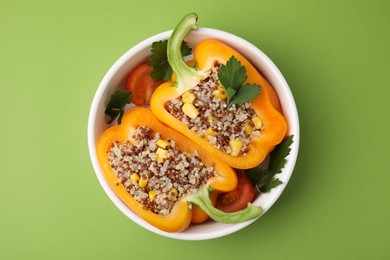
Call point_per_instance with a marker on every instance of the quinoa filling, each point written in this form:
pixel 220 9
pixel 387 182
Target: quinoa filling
pixel 204 110
pixel 155 172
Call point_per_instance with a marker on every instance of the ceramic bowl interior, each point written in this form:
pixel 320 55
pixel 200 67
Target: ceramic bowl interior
pixel 115 78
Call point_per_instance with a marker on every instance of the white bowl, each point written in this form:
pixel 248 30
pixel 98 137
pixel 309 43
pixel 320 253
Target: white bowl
pixel 115 78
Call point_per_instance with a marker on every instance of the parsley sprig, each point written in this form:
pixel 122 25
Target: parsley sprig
pixel 116 105
pixel 232 77
pixel 159 60
pixel 264 178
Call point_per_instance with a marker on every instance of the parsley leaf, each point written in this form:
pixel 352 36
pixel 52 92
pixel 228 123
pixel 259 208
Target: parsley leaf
pixel 116 105
pixel 279 154
pixel 264 179
pixel 246 93
pixel 159 60
pixel 232 77
pixel 273 183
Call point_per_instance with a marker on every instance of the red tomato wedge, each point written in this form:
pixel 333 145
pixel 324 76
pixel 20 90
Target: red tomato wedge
pixel 238 198
pixel 141 84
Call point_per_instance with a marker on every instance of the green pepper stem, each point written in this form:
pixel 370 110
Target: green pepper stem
pixel 186 76
pixel 202 199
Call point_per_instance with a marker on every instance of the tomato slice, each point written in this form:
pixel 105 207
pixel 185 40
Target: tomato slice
pixel 238 198
pixel 141 84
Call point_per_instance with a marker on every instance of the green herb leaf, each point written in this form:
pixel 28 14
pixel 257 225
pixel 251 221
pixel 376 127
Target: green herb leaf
pixel 246 93
pixel 230 92
pixel 116 105
pixel 279 154
pixel 232 77
pixel 275 182
pixel 256 174
pixel 159 60
pixel 264 178
pixel 185 49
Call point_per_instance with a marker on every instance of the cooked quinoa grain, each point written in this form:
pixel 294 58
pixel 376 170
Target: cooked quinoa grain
pixel 204 110
pixel 155 172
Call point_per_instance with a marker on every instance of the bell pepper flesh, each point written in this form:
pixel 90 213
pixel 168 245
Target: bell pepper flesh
pixel 181 214
pixel 206 54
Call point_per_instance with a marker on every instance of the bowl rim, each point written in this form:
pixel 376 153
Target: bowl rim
pixel 288 102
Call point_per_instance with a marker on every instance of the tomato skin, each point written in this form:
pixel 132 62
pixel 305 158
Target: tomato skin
pixel 141 84
pixel 238 198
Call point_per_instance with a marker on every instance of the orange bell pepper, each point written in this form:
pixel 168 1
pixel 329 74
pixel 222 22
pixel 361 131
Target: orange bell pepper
pixel 199 215
pixel 181 214
pixel 206 54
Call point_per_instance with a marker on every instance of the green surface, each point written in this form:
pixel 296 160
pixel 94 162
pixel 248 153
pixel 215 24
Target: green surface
pixel 335 56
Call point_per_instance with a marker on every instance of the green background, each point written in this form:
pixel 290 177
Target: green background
pixel 335 56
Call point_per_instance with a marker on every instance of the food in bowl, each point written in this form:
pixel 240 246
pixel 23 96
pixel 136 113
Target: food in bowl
pixel 158 172
pixel 221 111
pixel 227 116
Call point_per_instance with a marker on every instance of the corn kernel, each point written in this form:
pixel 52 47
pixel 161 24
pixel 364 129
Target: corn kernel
pixel 188 97
pixel 152 195
pixel 235 146
pixel 134 177
pixel 212 132
pixel 143 181
pixel 248 129
pixel 257 121
pixel 190 110
pixel 212 118
pixel 162 143
pixel 161 155
pixel 173 193
pixel 220 92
